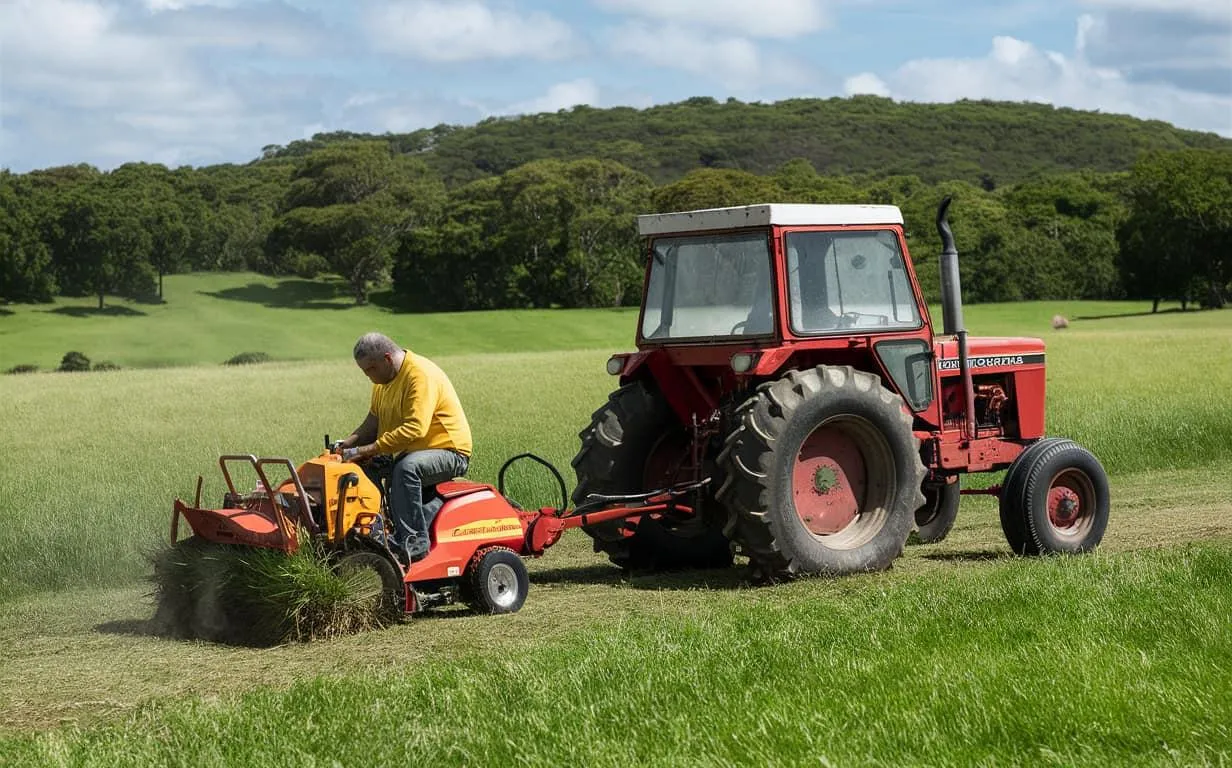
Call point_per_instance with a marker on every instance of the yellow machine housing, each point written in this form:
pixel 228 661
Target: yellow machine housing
pixel 340 494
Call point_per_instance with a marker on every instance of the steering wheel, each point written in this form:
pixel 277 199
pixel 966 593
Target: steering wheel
pixel 738 327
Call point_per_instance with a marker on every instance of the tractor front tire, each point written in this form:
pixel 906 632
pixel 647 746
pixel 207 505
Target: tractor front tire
pixel 935 519
pixel 823 474
pixel 623 451
pixel 1012 524
pixel 1055 500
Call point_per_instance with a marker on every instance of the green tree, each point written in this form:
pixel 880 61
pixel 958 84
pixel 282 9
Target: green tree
pixel 1069 221
pixel 158 205
pixel 348 207
pixel 25 261
pixel 715 188
pixel 1177 239
pixel 101 247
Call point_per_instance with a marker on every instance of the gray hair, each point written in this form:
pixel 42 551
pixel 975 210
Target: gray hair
pixel 374 344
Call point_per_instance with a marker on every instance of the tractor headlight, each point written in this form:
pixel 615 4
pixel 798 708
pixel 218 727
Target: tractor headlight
pixel 615 364
pixel 742 362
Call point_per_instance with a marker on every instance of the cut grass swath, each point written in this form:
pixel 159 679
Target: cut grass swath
pixel 258 597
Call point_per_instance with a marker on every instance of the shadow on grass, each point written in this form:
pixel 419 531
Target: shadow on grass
pixel 132 628
pixel 4 312
pixel 1173 311
pixel 96 312
pixel 718 578
pixel 970 556
pixel 289 294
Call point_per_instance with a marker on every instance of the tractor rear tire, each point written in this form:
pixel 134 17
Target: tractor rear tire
pixel 618 455
pixel 1057 499
pixel 823 474
pixel 388 591
pixel 935 519
pixel 498 581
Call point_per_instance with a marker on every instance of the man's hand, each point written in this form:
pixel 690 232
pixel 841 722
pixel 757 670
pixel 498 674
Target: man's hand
pixel 361 453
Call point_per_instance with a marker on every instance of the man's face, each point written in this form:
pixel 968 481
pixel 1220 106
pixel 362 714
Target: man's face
pixel 379 368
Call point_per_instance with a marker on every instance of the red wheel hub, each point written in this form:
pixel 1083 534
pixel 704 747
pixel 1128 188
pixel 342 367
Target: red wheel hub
pixel 829 481
pixel 1064 507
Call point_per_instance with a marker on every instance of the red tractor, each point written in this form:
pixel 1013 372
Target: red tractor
pixel 787 352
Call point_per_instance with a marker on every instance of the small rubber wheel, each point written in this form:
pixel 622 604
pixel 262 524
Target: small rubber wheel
pixel 935 519
pixel 498 581
pixel 374 580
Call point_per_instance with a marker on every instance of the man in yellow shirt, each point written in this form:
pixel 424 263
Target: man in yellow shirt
pixel 416 418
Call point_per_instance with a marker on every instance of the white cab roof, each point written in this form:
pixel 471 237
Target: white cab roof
pixel 784 214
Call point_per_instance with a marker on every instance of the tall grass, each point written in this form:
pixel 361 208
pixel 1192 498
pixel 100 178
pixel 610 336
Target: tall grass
pixel 248 596
pixel 1099 660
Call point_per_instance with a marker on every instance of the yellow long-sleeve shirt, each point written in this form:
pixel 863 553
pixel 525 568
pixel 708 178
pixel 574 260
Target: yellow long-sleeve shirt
pixel 419 410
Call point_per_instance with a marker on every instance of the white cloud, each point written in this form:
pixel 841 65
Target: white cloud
pixel 736 62
pixel 388 112
pixel 1188 52
pixel 83 85
pixel 866 83
pixel 1213 10
pixel 559 96
pixel 158 6
pixel 276 28
pixel 1015 70
pixel 766 18
pixel 465 30
pixel 74 51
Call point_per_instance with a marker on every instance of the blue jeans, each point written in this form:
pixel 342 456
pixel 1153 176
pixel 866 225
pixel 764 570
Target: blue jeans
pixel 409 475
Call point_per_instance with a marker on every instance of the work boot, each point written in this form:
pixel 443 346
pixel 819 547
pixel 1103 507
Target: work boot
pixel 416 550
pixel 377 530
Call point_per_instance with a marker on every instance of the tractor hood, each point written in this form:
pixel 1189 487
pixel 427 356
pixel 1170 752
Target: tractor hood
pixel 990 353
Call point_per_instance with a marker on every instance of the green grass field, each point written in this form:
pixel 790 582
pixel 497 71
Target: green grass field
pixel 211 317
pixel 962 654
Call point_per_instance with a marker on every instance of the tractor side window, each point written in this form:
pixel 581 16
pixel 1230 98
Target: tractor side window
pixel 848 280
pixel 910 364
pixel 715 285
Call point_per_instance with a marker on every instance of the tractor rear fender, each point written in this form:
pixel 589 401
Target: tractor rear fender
pixel 679 384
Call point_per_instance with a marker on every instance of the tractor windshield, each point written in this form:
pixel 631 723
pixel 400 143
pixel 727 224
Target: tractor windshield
pixel 709 286
pixel 842 280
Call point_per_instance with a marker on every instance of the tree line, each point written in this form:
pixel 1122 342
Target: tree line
pixel 981 142
pixel 561 231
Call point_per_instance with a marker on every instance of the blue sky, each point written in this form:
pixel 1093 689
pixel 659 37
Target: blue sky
pixel 209 81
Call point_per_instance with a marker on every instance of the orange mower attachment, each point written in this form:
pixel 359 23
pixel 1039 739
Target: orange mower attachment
pixel 478 536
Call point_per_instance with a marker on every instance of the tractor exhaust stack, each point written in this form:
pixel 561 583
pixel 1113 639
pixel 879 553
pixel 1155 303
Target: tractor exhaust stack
pixel 952 311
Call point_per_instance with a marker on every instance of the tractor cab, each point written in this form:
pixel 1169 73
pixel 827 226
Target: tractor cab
pixel 776 272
